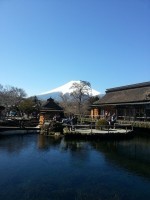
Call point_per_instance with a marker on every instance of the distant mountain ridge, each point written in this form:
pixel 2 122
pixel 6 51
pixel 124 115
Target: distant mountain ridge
pixel 62 90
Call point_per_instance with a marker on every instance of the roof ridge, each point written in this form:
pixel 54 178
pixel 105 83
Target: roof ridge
pixel 137 85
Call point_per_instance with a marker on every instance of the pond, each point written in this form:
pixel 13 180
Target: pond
pixel 36 167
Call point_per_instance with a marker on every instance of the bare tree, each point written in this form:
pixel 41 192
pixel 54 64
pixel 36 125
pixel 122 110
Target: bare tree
pixel 11 96
pixel 67 104
pixel 15 94
pixel 81 93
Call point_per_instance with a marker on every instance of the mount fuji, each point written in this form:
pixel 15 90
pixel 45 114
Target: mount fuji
pixel 62 90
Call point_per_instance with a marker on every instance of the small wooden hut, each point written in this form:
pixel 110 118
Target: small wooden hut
pixel 131 102
pixel 49 110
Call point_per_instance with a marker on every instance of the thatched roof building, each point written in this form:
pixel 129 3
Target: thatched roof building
pixel 51 106
pixel 49 110
pixel 136 93
pixel 131 99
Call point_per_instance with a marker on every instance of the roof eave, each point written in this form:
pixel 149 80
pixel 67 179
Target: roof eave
pixel 121 103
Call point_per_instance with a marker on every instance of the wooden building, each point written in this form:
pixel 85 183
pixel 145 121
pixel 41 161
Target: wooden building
pixel 131 102
pixel 49 110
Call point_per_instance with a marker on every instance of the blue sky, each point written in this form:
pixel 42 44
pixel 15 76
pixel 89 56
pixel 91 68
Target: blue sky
pixel 47 43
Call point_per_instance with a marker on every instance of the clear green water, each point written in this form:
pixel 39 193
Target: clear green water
pixel 34 167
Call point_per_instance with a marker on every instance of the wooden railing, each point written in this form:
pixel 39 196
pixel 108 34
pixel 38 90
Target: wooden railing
pixel 92 127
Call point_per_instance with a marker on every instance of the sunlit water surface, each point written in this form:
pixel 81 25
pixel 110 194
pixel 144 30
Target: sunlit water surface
pixel 35 167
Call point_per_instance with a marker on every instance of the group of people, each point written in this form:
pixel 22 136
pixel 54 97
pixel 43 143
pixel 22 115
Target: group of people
pixel 111 119
pixel 70 121
pixel 57 117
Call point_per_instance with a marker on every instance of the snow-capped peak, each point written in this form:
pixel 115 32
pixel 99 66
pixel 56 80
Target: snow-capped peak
pixel 66 88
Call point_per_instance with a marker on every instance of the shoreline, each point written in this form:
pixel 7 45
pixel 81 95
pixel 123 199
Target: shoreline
pixel 8 130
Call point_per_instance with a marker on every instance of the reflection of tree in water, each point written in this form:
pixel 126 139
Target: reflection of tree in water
pixel 133 155
pixel 78 149
pixel 16 143
pixel 74 145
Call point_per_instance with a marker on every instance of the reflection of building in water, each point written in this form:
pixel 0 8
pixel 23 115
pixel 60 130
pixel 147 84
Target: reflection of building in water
pixel 133 155
pixel 48 142
pixel 41 141
pixel 136 149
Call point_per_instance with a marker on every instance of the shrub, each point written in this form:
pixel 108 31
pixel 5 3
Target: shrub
pixel 66 130
pixel 55 126
pixel 50 127
pixel 101 123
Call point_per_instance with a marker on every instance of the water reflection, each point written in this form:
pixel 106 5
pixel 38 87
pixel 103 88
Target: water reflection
pixel 46 142
pixel 39 167
pixel 15 144
pixel 132 155
pixel 75 149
